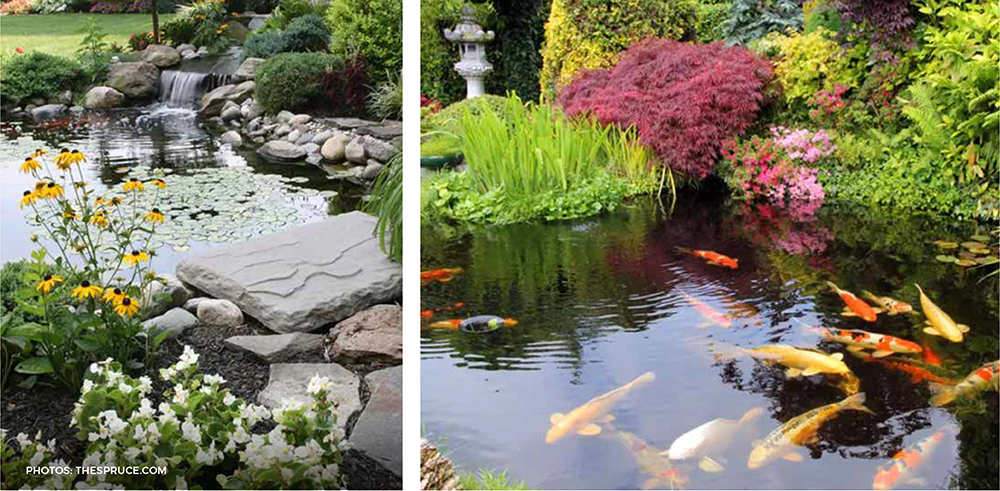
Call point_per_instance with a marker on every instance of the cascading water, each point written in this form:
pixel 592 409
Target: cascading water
pixel 181 89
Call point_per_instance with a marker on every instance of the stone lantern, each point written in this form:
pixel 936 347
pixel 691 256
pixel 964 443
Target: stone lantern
pixel 471 40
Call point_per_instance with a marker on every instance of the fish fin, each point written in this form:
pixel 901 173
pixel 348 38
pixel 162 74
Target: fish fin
pixel 793 372
pixel 869 295
pixel 651 483
pixel 855 348
pixel 943 394
pixel 793 457
pixel 931 331
pixel 848 313
pixel 963 327
pixel 608 418
pixel 589 430
pixel 809 372
pixel 857 403
pixel 756 443
pixel 556 418
pixel 891 313
pixel 709 465
pixel 710 263
pixel 833 286
pixel 837 356
pixel 881 353
pixel 878 310
pixel 811 439
pixel 751 415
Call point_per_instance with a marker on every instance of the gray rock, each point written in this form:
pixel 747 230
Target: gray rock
pixel 231 113
pixel 282 130
pixel 242 91
pixel 258 139
pixel 371 171
pixel 66 97
pixel 189 54
pixel 161 56
pixel 350 123
pixel 192 304
pixel 301 279
pixel 289 381
pixel 247 70
pixel 256 110
pixel 137 80
pixel 378 149
pixel 48 111
pixel 236 30
pixel 161 297
pixel 310 148
pixel 379 431
pixel 212 102
pixel 322 137
pixel 335 148
pixel 306 137
pixel 281 151
pixel 245 109
pixel 285 116
pixel 175 321
pixel 300 119
pixel 76 109
pixel 397 143
pixel 202 50
pixel 279 347
pixel 385 131
pixel 186 47
pixel 293 136
pixel 374 335
pixel 219 312
pixel 355 152
pixel 232 138
pixel 102 97
pixel 314 159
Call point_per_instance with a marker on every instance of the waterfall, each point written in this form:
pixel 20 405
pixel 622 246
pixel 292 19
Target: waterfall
pixel 181 89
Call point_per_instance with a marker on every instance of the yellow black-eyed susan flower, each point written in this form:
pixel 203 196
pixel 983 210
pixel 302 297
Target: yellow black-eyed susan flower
pixel 52 190
pixel 127 307
pixel 99 219
pixel 29 198
pixel 117 200
pixel 79 246
pixel 155 216
pixel 135 257
pixel 62 160
pixel 48 282
pixel 160 183
pixel 70 214
pixel 134 184
pixel 86 290
pixel 33 238
pixel 100 202
pixel 30 165
pixel 113 295
pixel 38 153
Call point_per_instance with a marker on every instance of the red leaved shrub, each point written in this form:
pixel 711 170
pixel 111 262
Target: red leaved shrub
pixel 685 100
pixel 345 88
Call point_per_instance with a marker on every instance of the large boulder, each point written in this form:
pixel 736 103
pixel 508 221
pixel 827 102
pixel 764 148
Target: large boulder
pixel 161 56
pixel 247 70
pixel 334 148
pixel 48 111
pixel 242 92
pixel 212 102
pixel 377 149
pixel 281 151
pixel 232 138
pixel 102 97
pixel 355 152
pixel 137 80
pixel 219 312
pixel 379 431
pixel 374 336
pixel 302 279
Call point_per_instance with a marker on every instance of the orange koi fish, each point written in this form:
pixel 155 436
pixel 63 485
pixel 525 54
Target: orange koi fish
pixel 455 306
pixel 713 316
pixel 426 314
pixel 446 324
pixel 930 357
pixel 442 275
pixel 890 305
pixel 855 306
pixel 904 466
pixel 917 373
pixel 713 258
pixel 858 340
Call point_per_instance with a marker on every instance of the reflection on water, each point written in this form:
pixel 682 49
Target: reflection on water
pixel 158 138
pixel 600 301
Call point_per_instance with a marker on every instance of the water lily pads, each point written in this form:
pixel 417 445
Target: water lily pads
pixel 945 244
pixel 946 259
pixel 966 262
pixel 966 255
pixel 987 260
pixel 979 251
pixel 979 238
pixel 973 245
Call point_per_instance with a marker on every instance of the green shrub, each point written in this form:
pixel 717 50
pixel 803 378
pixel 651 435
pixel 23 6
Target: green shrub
pixel 386 101
pixel 712 17
pixel 808 63
pixel 307 33
pixel 820 14
pixel 197 23
pixel 753 19
pixel 264 45
pixel 438 80
pixel 373 28
pixel 37 74
pixel 588 34
pixel 292 80
pixel 289 10
pixel 447 119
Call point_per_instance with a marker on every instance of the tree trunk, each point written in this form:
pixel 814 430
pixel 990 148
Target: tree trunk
pixel 156 22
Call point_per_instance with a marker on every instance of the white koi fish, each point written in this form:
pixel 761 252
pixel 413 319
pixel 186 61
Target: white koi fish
pixel 711 438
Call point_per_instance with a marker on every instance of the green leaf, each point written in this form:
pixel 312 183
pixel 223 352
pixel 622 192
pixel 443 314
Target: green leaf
pixel 36 365
pixel 28 382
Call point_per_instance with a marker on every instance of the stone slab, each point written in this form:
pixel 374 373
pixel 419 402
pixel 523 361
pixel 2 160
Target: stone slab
pixel 374 336
pixel 379 430
pixel 289 381
pixel 301 279
pixel 279 347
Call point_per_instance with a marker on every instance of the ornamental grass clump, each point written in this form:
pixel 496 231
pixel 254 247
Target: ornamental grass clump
pixel 684 100
pixel 87 299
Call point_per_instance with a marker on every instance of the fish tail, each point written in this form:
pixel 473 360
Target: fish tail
pixel 857 403
pixel 943 394
pixel 833 286
pixel 645 378
pixel 869 295
pixel 684 250
pixel 751 415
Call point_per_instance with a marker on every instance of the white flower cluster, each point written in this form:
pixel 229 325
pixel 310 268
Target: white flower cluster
pixel 40 456
pixel 321 387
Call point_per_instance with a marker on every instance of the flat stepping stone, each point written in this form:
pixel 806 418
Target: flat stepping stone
pixel 349 123
pixel 386 131
pixel 279 347
pixel 301 279
pixel 289 381
pixel 374 335
pixel 379 430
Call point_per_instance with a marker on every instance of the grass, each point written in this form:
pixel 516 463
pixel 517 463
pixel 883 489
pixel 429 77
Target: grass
pixel 490 480
pixel 56 33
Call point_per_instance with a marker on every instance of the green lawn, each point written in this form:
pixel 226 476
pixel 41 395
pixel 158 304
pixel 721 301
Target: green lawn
pixel 56 33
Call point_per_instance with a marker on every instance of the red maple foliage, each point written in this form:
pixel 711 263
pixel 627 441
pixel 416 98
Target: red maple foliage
pixel 685 100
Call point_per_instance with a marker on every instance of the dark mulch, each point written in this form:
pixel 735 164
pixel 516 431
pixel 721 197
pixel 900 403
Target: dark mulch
pixel 48 408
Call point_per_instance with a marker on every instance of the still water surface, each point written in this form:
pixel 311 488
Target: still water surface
pixel 601 301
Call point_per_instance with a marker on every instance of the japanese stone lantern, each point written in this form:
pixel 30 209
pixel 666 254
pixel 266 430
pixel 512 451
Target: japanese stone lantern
pixel 471 41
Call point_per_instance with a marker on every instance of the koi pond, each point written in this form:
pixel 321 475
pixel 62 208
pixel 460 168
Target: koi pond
pixel 613 304
pixel 214 195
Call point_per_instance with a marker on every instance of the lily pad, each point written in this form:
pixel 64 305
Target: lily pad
pixel 979 251
pixel 987 260
pixel 973 245
pixel 945 244
pixel 946 259
pixel 979 238
pixel 966 262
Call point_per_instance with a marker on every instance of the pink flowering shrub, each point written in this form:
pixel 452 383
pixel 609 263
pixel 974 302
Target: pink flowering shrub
pixel 802 144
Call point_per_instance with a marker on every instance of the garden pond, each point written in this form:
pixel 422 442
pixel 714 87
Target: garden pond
pixel 215 194
pixel 598 302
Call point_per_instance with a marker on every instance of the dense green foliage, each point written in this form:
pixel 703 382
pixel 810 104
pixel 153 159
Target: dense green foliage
pixel 373 28
pixel 200 23
pixel 386 100
pixel 289 10
pixel 712 18
pixel 520 28
pixel 293 80
pixel 307 33
pixel 491 481
pixel 448 118
pixel 264 45
pixel 807 63
pixel 753 19
pixel 36 74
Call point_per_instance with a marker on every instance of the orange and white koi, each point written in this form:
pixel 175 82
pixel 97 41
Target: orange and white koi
pixel 713 258
pixel 858 340
pixel 855 306
pixel 582 419
pixel 800 430
pixel 890 305
pixel 713 316
pixel 451 324
pixel 663 475
pixel 938 322
pixel 442 275
pixel 904 466
pixel 982 378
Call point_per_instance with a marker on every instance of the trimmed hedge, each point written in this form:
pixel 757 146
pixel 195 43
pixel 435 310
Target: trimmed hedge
pixel 292 80
pixel 37 74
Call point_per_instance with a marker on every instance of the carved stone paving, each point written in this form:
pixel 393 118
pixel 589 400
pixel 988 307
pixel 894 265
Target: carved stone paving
pixel 301 279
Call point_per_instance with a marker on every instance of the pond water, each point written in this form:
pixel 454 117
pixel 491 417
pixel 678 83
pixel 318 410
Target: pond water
pixel 601 301
pixel 215 194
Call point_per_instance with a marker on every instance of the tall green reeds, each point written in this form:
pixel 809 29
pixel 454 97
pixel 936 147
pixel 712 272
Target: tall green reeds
pixel 387 204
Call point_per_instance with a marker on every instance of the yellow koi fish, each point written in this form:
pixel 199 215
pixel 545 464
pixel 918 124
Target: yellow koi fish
pixel 940 323
pixel 800 430
pixel 582 419
pixel 802 362
pixel 982 378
